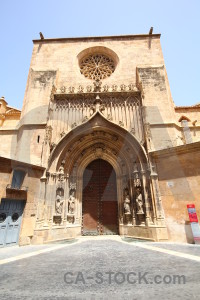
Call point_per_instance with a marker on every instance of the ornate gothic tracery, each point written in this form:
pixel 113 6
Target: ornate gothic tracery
pixel 97 66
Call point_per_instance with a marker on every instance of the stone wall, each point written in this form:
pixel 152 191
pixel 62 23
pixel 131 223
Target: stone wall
pixel 179 181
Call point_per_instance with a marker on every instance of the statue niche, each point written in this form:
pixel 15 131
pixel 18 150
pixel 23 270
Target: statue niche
pixel 127 206
pixel 139 205
pixel 71 205
pixel 59 202
pixel 61 174
pixel 139 202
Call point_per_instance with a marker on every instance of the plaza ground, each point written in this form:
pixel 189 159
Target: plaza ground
pixel 100 268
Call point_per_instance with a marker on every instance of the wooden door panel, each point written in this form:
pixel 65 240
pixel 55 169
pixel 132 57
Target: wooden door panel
pixel 100 211
pixel 90 219
pixel 109 223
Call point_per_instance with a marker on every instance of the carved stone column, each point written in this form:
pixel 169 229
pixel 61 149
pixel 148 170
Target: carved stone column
pixel 147 128
pixel 146 197
pixel 49 194
pixel 44 183
pixel 58 217
pixel 139 201
pixel 127 207
pixel 46 145
pixel 41 204
pixel 126 203
pixel 120 199
pixel 157 197
pixel 66 191
pixel 72 203
pixel 133 208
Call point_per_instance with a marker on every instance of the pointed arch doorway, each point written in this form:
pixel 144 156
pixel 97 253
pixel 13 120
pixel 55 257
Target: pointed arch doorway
pixel 99 202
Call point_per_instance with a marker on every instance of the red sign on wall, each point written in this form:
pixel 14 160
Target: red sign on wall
pixel 194 222
pixel 192 213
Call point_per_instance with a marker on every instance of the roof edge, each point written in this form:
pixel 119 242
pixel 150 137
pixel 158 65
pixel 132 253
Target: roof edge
pixel 21 163
pixel 181 149
pixel 158 35
pixel 187 107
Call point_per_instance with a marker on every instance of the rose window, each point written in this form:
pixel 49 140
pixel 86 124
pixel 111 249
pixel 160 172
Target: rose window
pixel 97 66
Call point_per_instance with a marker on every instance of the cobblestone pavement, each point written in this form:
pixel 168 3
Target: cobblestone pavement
pixel 8 252
pixel 184 248
pixel 102 268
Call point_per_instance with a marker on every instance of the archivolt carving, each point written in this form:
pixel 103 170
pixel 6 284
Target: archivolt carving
pixel 100 149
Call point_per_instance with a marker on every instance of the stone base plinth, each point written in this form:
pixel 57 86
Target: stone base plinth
pixel 56 233
pixel 154 233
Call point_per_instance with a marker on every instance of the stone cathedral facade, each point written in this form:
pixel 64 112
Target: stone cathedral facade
pixel 99 146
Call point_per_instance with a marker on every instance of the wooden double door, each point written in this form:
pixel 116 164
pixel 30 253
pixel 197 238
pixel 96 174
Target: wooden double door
pixel 100 208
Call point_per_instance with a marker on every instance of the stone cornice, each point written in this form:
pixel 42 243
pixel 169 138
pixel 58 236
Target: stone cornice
pixel 12 108
pixel 175 124
pixel 10 112
pixel 16 163
pixel 42 125
pixel 9 130
pixel 13 113
pixel 98 38
pixel 95 89
pixel 182 149
pixel 194 107
pixel 62 96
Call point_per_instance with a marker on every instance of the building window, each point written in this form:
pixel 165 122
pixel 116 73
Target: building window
pixel 97 66
pixel 186 131
pixel 18 178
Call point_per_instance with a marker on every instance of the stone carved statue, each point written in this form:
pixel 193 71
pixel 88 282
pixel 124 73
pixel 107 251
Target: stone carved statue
pixel 61 174
pixel 59 203
pixel 127 207
pixel 97 85
pixel 137 181
pixel 127 201
pixel 139 202
pixel 71 203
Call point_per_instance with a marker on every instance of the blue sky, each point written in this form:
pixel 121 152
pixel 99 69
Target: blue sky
pixel 178 21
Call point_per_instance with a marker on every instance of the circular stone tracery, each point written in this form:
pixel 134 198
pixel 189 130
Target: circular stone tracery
pixel 97 66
